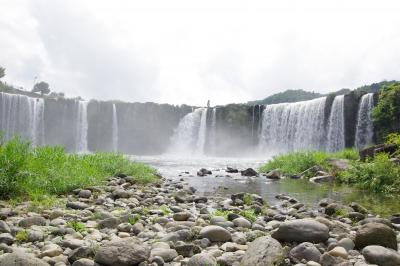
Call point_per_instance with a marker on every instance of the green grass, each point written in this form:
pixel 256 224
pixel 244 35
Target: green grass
pixel 133 219
pixel 77 226
pixel 297 162
pixel 34 172
pixel 22 236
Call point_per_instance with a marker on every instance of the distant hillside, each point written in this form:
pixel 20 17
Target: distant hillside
pixel 290 96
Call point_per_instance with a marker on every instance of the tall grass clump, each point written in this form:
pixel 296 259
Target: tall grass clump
pixel 297 162
pixel 33 172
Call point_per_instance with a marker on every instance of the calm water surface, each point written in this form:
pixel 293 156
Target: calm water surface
pixel 223 183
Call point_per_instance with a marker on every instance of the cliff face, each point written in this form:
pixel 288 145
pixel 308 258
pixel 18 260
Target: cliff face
pixel 147 128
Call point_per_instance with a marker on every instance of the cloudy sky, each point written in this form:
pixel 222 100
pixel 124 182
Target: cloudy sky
pixel 191 51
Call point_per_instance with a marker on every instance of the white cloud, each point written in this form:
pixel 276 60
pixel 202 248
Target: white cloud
pixel 192 51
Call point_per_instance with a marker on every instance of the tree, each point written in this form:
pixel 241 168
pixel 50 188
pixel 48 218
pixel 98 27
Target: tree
pixel 386 114
pixel 2 72
pixel 42 87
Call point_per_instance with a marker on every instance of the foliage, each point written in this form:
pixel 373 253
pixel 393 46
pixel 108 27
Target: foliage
pixel 249 215
pixel 76 225
pixel 133 219
pixel 37 171
pixel 42 87
pixel 297 162
pixel 2 72
pixel 386 114
pixel 221 213
pixel 288 96
pixel 378 175
pixel 165 210
pixel 247 199
pixel 22 236
pixel 374 87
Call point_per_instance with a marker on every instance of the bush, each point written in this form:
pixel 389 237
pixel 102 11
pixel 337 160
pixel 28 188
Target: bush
pixel 378 175
pixel 39 171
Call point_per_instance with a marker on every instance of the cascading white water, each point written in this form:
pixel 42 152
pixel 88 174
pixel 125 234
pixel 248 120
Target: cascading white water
pixel 114 128
pixel 22 115
pixel 190 135
pixel 213 131
pixel 81 127
pixel 336 125
pixel 201 140
pixel 364 129
pixel 293 126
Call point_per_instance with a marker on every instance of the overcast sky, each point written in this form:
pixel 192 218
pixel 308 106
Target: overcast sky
pixel 191 51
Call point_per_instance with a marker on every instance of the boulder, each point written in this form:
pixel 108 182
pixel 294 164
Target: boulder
pixel 77 205
pixel 302 230
pixel 21 259
pixel 122 252
pixel 264 251
pixel 215 233
pixel 305 251
pixel 321 179
pixel 274 174
pixel 231 170
pixel 181 216
pixel 202 260
pixel 381 256
pixel 166 253
pixel 34 220
pixel 249 172
pixel 242 222
pixel 85 193
pixel 4 228
pixel 375 234
pixel 203 172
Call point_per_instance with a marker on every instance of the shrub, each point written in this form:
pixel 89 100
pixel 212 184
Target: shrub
pixel 22 236
pixel 378 175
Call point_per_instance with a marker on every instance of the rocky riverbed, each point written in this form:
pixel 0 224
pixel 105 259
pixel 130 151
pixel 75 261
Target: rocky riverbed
pixel 122 223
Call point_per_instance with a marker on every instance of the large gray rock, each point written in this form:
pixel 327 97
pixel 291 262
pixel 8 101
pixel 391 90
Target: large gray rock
pixel 84 262
pixel 381 256
pixel 122 252
pixel 375 234
pixel 215 233
pixel 305 251
pixel 77 205
pixel 6 238
pixel 167 254
pixel 264 251
pixel 4 228
pixel 21 259
pixel 302 230
pixel 202 260
pixel 34 220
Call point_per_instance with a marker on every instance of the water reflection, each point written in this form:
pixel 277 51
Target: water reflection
pixel 226 184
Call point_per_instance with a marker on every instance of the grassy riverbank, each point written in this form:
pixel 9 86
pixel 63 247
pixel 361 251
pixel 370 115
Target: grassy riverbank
pixel 380 174
pixel 33 172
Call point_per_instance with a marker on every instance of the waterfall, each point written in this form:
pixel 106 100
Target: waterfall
pixel 22 115
pixel 364 129
pixel 81 127
pixel 336 125
pixel 114 128
pixel 213 131
pixel 293 126
pixel 190 135
pixel 252 122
